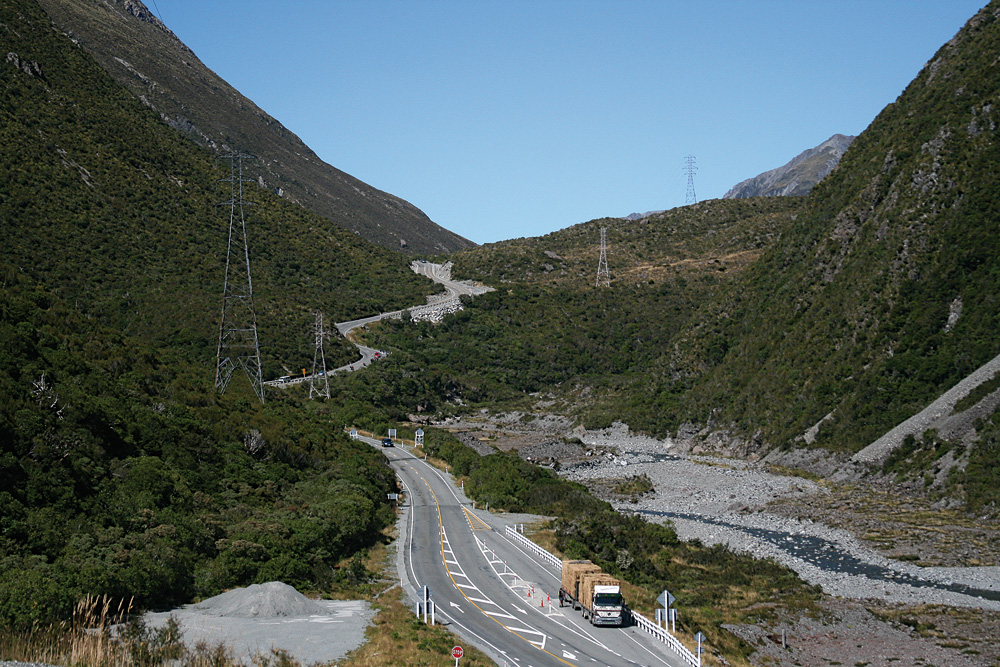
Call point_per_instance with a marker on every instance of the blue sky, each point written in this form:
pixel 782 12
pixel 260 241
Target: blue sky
pixel 508 119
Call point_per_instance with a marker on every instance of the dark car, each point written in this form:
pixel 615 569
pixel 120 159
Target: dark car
pixel 386 442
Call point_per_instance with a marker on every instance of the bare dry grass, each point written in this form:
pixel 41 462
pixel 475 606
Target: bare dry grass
pixel 104 633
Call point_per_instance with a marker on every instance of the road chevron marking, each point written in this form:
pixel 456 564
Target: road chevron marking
pixel 484 601
pixel 514 631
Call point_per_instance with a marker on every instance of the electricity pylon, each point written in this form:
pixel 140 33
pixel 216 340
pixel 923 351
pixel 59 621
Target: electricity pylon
pixel 603 276
pixel 321 389
pixel 238 343
pixel 690 168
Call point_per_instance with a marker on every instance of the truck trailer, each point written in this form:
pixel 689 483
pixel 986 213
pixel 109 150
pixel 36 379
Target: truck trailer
pixel 597 594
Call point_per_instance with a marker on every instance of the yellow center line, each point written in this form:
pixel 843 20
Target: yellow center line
pixel 454 583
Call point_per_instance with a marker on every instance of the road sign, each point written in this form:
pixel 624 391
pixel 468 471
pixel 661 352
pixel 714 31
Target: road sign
pixel 666 599
pixel 699 637
pixel 457 652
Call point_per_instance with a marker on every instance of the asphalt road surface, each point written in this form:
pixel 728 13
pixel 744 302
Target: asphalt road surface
pixel 489 591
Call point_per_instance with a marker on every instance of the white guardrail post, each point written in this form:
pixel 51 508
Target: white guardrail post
pixel 640 621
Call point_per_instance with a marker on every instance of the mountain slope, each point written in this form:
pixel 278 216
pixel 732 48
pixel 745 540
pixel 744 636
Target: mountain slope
pixel 122 471
pixel 144 55
pixel 881 295
pixel 117 213
pixel 798 176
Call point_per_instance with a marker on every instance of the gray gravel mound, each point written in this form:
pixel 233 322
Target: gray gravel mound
pixel 270 600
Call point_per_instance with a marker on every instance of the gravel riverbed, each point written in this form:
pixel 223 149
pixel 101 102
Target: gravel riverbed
pixel 723 501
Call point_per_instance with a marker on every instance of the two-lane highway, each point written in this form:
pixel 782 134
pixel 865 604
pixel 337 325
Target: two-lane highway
pixel 491 592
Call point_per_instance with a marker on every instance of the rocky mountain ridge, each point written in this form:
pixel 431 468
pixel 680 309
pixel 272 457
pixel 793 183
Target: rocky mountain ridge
pixel 142 53
pixel 798 176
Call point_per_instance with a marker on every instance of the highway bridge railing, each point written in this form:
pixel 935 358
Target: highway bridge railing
pixel 641 622
pixel 551 559
pixel 651 628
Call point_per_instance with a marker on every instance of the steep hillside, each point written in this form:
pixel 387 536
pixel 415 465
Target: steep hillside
pixel 117 213
pixel 144 55
pixel 122 472
pixel 881 295
pixel 797 177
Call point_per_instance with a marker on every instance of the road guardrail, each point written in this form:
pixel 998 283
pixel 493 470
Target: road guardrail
pixel 551 559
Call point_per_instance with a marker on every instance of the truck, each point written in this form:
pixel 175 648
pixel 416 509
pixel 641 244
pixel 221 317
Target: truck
pixel 596 593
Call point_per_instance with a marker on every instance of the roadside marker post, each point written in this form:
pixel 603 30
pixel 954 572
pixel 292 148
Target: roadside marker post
pixel 666 599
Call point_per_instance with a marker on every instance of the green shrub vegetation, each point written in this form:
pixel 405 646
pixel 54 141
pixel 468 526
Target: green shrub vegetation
pixel 125 476
pixel 122 472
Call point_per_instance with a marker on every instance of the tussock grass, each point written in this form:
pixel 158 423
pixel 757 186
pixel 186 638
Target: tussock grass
pixel 105 633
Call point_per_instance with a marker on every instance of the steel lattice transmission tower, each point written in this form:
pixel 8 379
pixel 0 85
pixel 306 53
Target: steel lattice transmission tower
pixel 322 388
pixel 238 343
pixel 603 275
pixel 690 168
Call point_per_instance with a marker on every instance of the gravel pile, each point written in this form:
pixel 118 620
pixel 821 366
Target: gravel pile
pixel 725 490
pixel 255 620
pixel 270 600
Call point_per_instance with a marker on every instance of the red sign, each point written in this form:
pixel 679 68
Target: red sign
pixel 457 652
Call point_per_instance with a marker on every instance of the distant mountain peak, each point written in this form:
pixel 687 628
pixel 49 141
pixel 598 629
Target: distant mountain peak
pixel 798 176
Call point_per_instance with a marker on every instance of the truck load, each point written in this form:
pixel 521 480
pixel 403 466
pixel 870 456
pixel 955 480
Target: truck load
pixel 599 595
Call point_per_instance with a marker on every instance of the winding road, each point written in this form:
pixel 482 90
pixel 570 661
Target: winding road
pixel 489 590
pixel 448 300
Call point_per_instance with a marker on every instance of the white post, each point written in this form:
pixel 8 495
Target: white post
pixel 432 611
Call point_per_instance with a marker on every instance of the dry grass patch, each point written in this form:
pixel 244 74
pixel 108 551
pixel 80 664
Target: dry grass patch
pixel 104 633
pixel 398 637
